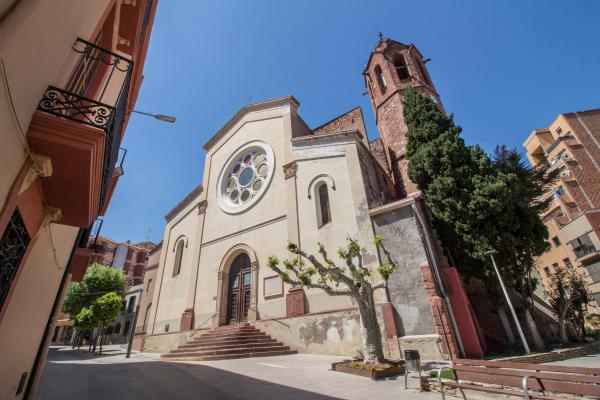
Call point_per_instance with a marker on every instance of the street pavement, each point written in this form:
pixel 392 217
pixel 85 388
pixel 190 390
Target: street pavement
pixel 589 361
pixel 72 374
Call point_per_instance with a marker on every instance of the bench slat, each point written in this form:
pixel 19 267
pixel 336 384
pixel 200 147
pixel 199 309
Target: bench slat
pixel 581 389
pixel 528 366
pixel 499 391
pixel 522 373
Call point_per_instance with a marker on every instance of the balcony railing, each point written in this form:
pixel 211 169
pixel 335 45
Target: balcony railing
pixel 97 96
pixel 584 249
pixel 146 20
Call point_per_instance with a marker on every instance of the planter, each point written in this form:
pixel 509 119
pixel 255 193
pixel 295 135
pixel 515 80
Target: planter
pixel 373 371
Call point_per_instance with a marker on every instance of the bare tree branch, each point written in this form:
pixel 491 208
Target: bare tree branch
pixel 324 271
pixel 315 285
pixel 379 285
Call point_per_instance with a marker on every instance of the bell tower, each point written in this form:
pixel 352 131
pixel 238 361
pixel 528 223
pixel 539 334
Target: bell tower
pixel 392 68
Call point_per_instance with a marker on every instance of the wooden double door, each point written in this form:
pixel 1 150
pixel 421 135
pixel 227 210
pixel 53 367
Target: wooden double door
pixel 240 287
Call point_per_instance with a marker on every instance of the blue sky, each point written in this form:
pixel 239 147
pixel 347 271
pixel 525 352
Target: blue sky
pixel 502 67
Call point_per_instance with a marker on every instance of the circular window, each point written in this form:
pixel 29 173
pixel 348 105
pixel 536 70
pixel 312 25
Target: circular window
pixel 245 177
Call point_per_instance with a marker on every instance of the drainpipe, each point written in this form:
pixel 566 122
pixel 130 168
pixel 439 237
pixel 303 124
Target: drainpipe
pixel 42 352
pixel 438 279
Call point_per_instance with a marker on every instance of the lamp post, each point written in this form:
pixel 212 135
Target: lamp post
pixel 160 117
pixel 512 310
pixel 135 318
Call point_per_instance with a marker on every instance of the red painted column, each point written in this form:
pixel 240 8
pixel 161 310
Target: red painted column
pixel 465 320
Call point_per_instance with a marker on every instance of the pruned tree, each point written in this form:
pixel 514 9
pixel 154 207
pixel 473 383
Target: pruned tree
pixel 85 321
pixel 98 281
pixel 352 279
pixel 105 309
pixel 565 290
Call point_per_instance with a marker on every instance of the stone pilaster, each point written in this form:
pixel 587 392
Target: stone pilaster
pixel 439 313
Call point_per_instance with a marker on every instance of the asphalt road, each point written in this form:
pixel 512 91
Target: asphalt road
pixel 147 380
pixel 72 374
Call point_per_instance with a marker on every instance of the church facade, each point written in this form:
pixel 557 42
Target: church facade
pixel 268 180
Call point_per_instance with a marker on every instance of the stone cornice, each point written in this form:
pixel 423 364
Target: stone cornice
pixel 264 105
pixel 184 202
pixel 311 139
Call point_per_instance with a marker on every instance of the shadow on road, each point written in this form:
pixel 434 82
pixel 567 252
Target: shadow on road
pixel 152 380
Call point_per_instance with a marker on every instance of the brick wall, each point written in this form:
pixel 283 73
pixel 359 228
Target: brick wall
pixel 352 120
pixel 439 312
pixel 586 128
pixel 387 102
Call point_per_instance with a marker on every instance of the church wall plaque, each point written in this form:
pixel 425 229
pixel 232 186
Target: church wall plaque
pixel 272 286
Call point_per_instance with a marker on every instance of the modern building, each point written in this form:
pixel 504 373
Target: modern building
pixel 119 331
pixel 270 179
pixel 571 144
pixel 70 73
pixel 128 257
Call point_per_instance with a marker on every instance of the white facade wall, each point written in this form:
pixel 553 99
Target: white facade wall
pixel 284 213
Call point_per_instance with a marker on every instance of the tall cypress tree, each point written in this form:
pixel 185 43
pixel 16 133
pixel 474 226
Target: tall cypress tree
pixel 477 202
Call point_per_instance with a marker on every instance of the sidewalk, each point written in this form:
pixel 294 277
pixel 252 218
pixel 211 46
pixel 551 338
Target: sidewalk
pixel 71 374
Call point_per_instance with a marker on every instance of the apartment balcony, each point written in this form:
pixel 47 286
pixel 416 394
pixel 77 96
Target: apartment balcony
pixel 79 127
pixel 82 257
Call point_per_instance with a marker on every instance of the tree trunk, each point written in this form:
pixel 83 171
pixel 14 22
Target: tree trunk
pixel 101 334
pixel 563 331
pixel 510 336
pixel 535 333
pixel 562 316
pixel 371 335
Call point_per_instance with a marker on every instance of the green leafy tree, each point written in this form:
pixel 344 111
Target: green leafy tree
pixel 76 298
pixel 477 202
pixel 351 279
pixel 581 298
pixel 105 309
pixel 566 290
pixel 101 279
pixel 85 321
pixel 594 321
pixel 98 281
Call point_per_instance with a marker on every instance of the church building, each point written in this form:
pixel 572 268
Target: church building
pixel 269 179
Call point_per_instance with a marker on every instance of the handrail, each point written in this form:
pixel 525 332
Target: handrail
pixel 524 385
pixel 212 315
pixel 272 317
pixel 443 392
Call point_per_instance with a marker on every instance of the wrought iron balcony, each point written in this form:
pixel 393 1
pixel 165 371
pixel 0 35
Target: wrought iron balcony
pixel 96 95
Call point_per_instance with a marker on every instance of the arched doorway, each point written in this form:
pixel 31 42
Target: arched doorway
pixel 239 293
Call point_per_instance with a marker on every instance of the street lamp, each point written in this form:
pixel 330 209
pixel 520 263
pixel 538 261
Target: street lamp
pixel 512 310
pixel 160 117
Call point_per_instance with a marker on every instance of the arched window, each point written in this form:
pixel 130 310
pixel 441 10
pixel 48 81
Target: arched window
pixel 401 67
pixel 423 72
pixel 323 208
pixel 146 315
pixel 178 257
pixel 380 78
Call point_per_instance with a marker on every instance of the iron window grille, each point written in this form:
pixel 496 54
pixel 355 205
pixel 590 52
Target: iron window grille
pixel 13 246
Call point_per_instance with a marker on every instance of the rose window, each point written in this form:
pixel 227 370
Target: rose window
pixel 246 177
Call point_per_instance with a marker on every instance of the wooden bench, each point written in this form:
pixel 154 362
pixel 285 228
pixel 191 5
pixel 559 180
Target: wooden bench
pixel 531 381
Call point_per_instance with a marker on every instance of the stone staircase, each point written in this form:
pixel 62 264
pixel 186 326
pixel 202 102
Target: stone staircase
pixel 230 341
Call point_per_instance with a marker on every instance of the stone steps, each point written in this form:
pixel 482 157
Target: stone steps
pixel 232 341
pixel 225 345
pixel 191 357
pixel 241 335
